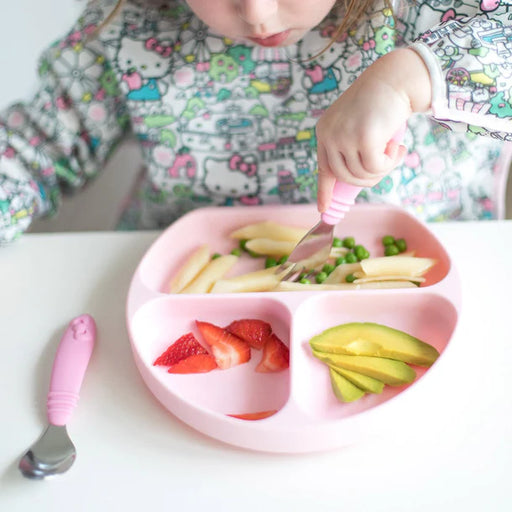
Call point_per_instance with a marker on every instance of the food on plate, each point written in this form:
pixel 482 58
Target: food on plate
pixel 275 357
pixel 186 355
pixel 228 346
pixel 365 383
pixel 269 247
pixel 367 356
pixel 227 349
pixel 344 390
pixel 393 246
pixel 362 280
pixel 291 286
pixel 191 268
pixel 372 339
pixel 270 230
pixel 349 263
pixel 185 346
pixel 197 363
pixel 213 271
pixel 257 281
pixel 389 371
pixel 341 271
pixel 252 330
pixel 252 416
pixel 410 266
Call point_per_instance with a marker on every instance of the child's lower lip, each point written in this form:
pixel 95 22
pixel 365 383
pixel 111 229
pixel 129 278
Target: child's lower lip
pixel 273 40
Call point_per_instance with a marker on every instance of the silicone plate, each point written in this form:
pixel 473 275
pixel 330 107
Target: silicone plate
pixel 309 417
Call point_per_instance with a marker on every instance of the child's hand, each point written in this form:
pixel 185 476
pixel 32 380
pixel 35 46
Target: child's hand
pixel 355 133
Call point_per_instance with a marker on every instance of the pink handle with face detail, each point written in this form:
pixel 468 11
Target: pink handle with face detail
pixel 69 366
pixel 344 195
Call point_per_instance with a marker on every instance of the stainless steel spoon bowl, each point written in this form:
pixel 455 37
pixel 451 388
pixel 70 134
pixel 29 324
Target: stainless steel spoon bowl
pixel 51 454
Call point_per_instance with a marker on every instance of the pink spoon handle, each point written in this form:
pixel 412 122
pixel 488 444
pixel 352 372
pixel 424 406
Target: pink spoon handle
pixel 344 195
pixel 71 360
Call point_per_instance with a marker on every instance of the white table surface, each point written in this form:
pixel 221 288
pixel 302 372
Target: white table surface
pixel 135 455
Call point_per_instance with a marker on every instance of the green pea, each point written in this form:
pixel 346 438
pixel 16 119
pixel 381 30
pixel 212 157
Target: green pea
pixel 304 281
pixel 361 252
pixel 336 242
pixel 388 240
pixel 340 261
pixel 328 268
pixel 401 244
pixel 236 252
pixel 349 242
pixel 350 257
pixel 270 262
pixel 350 278
pixel 391 250
pixel 216 255
pixel 320 277
pixel 282 259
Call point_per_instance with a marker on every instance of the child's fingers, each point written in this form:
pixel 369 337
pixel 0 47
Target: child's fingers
pixel 378 164
pixel 402 151
pixel 326 180
pixel 346 163
pixel 396 153
pixel 326 183
pixel 392 149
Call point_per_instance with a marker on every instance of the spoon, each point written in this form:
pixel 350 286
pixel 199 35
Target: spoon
pixel 54 452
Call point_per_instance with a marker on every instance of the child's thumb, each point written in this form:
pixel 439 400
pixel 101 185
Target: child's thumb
pixel 326 181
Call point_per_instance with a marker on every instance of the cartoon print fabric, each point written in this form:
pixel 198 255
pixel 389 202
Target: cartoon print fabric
pixel 222 122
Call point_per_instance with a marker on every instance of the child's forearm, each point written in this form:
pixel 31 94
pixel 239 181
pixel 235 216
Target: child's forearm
pixel 405 71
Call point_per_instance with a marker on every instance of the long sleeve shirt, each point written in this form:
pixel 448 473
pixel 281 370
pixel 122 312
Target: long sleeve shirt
pixel 224 122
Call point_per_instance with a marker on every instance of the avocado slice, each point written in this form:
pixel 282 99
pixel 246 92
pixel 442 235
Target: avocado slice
pixel 368 384
pixel 389 371
pixel 344 390
pixel 371 339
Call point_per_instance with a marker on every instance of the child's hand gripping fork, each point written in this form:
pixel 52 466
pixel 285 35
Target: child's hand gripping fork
pixel 315 246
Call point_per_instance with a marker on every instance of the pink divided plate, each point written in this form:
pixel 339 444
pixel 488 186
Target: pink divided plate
pixel 309 417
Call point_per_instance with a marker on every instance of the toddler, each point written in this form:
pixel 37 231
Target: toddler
pixel 239 102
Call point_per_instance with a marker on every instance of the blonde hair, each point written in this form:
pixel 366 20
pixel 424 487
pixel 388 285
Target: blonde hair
pixel 354 11
pixel 113 13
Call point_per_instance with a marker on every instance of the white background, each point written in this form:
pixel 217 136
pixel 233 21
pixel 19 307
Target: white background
pixel 26 28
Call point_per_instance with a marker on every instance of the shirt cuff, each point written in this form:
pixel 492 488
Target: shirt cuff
pixel 439 93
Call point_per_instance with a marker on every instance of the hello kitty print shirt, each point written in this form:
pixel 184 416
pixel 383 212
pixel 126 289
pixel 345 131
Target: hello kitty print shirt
pixel 223 122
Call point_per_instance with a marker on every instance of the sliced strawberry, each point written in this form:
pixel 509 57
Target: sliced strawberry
pixel 251 416
pixel 197 363
pixel 229 350
pixel 275 357
pixel 182 348
pixel 252 330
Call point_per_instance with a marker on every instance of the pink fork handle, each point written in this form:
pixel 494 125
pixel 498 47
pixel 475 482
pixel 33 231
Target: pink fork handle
pixel 344 195
pixel 69 366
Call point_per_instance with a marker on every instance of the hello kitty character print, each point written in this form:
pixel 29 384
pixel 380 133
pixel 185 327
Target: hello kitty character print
pixel 225 122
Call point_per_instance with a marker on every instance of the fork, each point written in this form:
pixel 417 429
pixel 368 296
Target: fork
pixel 314 248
